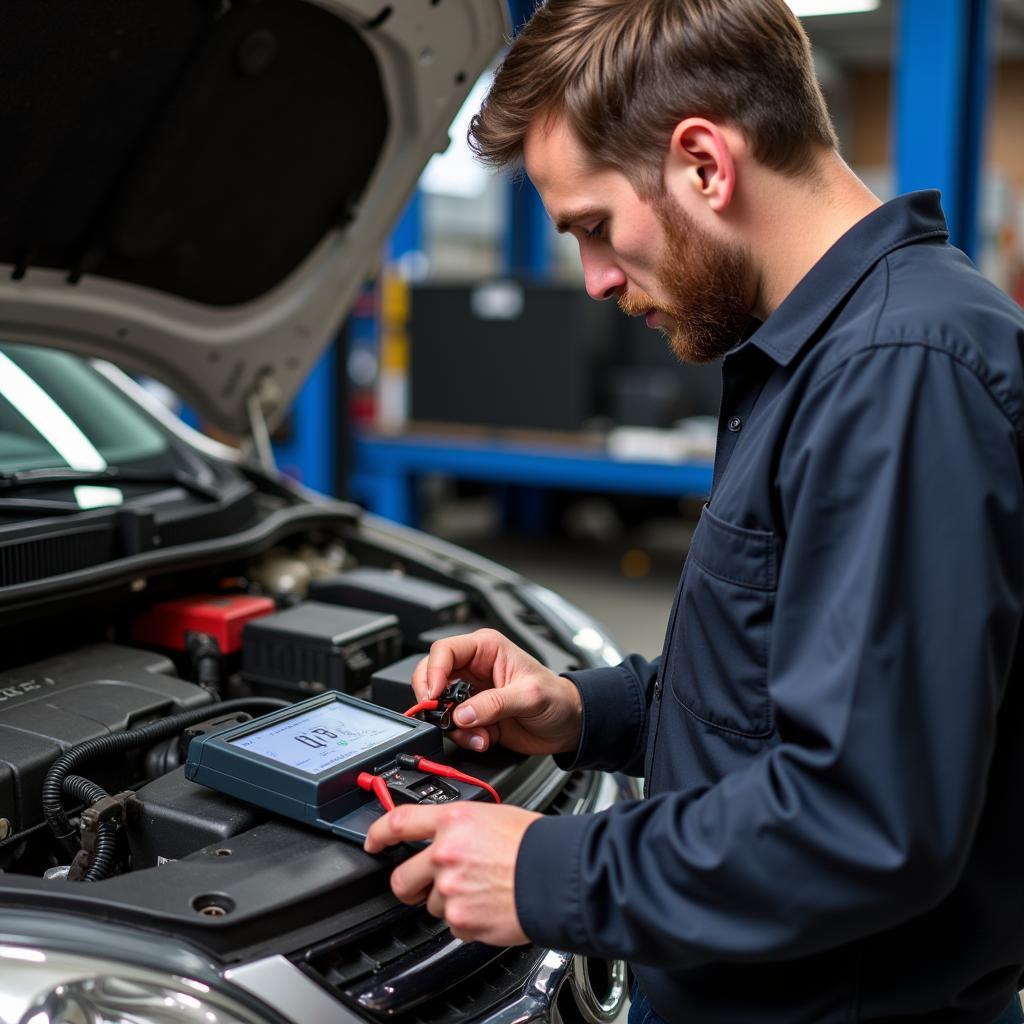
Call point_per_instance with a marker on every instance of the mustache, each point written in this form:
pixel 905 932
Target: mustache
pixel 637 303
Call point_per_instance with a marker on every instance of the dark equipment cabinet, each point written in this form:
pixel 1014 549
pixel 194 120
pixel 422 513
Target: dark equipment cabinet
pixel 519 355
pixel 508 354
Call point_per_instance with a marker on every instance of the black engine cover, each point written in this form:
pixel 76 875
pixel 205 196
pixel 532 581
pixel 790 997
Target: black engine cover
pixel 51 705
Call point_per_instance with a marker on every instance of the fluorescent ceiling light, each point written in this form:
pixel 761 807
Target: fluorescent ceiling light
pixel 812 8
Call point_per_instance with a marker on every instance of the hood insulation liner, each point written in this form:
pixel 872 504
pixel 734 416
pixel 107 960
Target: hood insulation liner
pixel 202 148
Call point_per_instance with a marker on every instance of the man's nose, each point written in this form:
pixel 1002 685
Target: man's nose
pixel 604 280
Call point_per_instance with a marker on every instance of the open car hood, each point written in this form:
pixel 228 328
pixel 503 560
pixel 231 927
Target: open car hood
pixel 196 189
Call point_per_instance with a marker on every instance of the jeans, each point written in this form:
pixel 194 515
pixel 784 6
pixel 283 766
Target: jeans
pixel 641 1012
pixel 1013 1014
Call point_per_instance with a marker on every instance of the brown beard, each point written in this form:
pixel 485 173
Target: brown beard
pixel 708 284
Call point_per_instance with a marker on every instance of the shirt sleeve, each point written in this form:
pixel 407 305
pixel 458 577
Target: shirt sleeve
pixel 896 621
pixel 613 734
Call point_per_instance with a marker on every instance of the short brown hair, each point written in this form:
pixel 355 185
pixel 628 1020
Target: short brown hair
pixel 625 72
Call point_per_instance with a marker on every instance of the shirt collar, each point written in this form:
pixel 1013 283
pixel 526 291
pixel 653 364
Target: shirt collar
pixel 902 221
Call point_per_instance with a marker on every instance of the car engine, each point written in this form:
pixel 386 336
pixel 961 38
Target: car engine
pixel 105 686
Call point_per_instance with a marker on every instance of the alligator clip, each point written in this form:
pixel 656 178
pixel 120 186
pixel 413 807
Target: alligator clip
pixel 439 712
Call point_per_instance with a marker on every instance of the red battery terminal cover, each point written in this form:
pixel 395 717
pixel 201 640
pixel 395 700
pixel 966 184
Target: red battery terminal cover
pixel 220 616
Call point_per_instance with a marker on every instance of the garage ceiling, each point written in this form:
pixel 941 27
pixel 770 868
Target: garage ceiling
pixel 866 40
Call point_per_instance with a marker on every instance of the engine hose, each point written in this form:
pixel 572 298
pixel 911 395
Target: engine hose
pixel 118 742
pixel 102 862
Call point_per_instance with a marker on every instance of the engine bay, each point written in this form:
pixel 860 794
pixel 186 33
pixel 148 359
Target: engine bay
pixel 93 740
pixel 108 691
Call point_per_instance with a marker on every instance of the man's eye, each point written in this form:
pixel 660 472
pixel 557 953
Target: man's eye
pixel 596 232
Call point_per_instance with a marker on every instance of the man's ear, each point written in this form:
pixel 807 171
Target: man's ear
pixel 700 162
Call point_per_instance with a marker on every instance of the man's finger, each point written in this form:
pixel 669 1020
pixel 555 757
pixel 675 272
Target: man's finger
pixel 447 657
pixel 491 706
pixel 471 655
pixel 411 880
pixel 420 898
pixel 435 904
pixel 408 823
pixel 419 681
pixel 477 740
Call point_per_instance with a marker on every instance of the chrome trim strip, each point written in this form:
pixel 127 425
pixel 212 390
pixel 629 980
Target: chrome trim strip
pixel 277 982
pixel 609 791
pixel 537 1002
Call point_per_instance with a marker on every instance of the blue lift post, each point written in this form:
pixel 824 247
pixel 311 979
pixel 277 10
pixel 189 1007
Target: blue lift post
pixel 944 70
pixel 309 453
pixel 408 234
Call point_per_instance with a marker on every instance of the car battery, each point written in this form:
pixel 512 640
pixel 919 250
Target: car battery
pixel 172 817
pixel 419 604
pixel 315 647
pixel 223 617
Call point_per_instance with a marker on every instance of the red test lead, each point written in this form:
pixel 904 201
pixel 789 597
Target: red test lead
pixel 424 705
pixel 421 764
pixel 378 786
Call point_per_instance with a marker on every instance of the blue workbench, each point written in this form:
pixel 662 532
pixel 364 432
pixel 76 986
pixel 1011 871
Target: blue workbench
pixel 386 470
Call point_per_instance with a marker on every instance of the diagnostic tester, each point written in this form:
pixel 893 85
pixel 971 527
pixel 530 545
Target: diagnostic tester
pixel 332 761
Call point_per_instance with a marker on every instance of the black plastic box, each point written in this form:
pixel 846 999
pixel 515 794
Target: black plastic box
pixel 429 637
pixel 172 817
pixel 419 604
pixel 315 647
pixel 544 345
pixel 391 687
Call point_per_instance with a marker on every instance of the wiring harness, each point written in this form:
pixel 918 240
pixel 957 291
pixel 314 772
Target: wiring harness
pixel 61 781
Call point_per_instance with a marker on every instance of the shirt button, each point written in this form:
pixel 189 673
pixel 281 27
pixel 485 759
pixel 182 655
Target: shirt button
pixel 735 423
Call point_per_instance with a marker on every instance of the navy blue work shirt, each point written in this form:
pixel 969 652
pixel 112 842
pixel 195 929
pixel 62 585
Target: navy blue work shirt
pixel 833 737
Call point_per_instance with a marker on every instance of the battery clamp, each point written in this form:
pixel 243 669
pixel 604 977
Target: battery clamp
pixel 336 762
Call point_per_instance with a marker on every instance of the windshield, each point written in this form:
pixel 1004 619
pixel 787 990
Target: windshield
pixel 57 411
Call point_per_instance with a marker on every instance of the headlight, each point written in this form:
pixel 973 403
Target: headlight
pixel 38 987
pixel 572 625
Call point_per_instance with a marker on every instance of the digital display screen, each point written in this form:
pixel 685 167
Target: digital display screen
pixel 324 737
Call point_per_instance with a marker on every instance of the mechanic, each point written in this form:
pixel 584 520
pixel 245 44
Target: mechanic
pixel 833 737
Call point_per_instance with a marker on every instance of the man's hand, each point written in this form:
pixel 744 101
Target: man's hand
pixel 517 701
pixel 467 874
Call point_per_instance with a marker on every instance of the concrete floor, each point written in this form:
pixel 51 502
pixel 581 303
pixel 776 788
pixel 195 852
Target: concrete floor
pixel 624 577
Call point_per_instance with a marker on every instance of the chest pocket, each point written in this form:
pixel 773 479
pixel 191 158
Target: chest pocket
pixel 717 667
